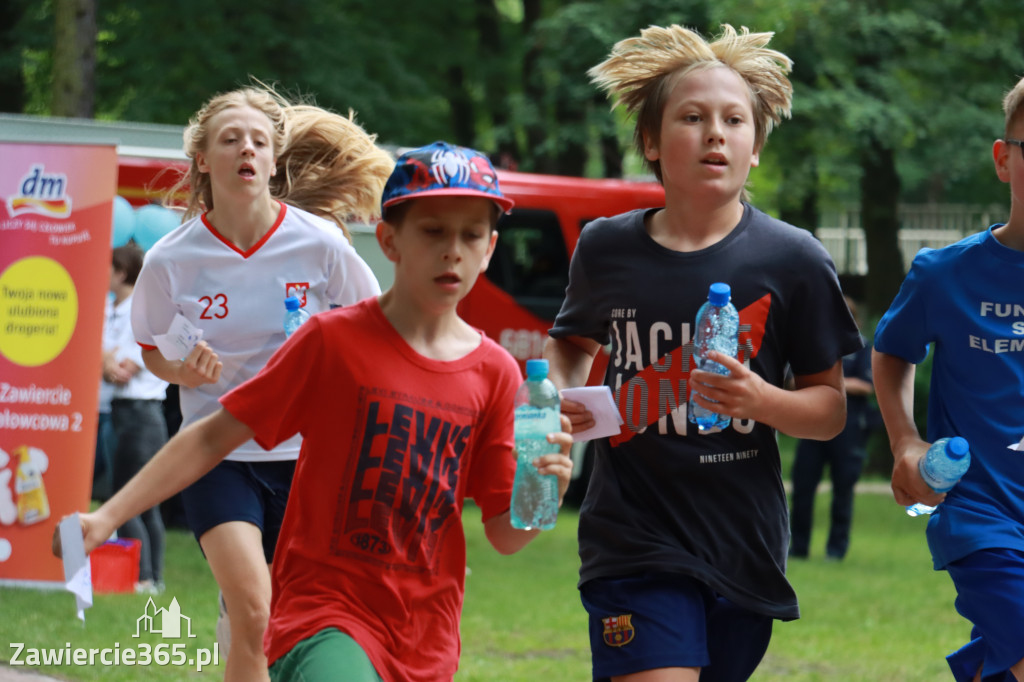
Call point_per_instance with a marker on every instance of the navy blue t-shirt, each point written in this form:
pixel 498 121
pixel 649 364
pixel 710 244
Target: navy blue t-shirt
pixel 858 407
pixel 662 497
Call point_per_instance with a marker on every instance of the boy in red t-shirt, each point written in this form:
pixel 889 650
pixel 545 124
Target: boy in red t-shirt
pixel 404 411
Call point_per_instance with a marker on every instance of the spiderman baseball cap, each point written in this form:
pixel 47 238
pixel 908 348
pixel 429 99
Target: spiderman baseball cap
pixel 442 169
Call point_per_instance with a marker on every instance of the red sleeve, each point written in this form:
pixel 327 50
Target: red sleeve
pixel 493 466
pixel 272 402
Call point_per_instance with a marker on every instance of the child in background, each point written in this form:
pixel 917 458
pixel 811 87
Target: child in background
pixel 137 414
pixel 404 410
pixel 683 536
pixel 967 300
pixel 270 186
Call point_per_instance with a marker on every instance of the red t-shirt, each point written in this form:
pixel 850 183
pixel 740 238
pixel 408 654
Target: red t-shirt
pixel 372 541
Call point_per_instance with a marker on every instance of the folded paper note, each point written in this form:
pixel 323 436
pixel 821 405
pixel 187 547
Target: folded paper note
pixel 597 399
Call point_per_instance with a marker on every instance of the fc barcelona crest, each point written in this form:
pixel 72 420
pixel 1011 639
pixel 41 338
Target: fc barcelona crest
pixel 618 630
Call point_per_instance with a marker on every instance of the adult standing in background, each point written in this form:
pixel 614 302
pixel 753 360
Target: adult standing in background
pixel 844 455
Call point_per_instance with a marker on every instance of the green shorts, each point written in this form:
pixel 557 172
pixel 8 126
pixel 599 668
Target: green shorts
pixel 321 657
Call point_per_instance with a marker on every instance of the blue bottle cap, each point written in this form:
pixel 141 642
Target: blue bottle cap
pixel 957 447
pixel 537 368
pixel 719 293
pixel 292 303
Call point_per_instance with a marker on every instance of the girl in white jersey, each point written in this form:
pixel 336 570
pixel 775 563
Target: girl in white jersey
pixel 245 246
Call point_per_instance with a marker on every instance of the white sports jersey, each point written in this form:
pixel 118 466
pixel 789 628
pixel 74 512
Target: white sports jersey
pixel 237 298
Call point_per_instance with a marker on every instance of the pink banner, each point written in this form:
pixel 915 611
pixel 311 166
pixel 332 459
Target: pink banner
pixel 55 220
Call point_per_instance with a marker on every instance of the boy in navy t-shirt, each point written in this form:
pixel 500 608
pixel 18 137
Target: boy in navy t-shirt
pixel 683 535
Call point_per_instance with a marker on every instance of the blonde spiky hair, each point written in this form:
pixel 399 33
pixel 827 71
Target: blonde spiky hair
pixel 640 72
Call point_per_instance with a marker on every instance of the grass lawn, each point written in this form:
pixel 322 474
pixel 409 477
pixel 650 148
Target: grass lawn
pixel 882 614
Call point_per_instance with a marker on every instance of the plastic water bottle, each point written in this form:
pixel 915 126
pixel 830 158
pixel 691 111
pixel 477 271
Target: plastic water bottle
pixel 718 326
pixel 294 315
pixel 942 467
pixel 535 496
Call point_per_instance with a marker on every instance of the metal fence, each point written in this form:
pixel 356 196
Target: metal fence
pixel 921 225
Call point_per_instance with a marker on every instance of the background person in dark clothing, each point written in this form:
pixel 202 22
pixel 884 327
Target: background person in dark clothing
pixel 844 455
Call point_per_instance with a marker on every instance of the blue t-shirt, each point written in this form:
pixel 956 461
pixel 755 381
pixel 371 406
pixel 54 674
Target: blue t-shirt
pixel 967 301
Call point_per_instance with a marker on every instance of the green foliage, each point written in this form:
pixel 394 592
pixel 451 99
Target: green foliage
pixel 923 79
pixel 32 43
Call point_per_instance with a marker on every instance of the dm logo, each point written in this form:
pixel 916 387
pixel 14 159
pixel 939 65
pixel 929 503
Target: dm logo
pixel 42 194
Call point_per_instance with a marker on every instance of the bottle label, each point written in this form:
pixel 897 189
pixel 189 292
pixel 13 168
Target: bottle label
pixel 533 421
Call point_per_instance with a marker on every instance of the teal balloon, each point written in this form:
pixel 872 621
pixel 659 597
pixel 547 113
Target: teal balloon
pixel 152 222
pixel 123 219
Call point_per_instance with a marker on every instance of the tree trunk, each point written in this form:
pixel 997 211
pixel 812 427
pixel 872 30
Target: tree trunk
pixel 12 83
pixel 611 156
pixel 798 204
pixel 611 150
pixel 495 76
pixel 533 90
pixel 879 204
pixel 463 117
pixel 805 214
pixel 571 116
pixel 74 58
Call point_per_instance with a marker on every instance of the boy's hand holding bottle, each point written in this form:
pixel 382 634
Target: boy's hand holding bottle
pixel 538 489
pixel 907 485
pixel 941 468
pixel 559 464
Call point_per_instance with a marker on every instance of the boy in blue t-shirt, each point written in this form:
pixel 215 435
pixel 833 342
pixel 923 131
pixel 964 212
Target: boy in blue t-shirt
pixel 967 299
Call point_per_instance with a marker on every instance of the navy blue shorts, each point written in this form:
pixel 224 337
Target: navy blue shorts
pixel 650 621
pixel 990 593
pixel 256 492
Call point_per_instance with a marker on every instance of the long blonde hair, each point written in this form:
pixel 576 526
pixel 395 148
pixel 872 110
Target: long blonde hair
pixel 326 163
pixel 640 72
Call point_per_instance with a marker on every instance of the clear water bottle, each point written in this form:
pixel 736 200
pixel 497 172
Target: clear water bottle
pixel 718 326
pixel 537 409
pixel 294 315
pixel 942 467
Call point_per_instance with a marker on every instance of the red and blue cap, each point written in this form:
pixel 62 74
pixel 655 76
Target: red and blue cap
pixel 442 169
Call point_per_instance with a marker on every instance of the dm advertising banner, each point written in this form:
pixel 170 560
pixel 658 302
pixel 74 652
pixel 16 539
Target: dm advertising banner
pixel 55 220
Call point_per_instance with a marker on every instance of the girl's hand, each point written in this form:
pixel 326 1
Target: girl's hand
pixel 201 366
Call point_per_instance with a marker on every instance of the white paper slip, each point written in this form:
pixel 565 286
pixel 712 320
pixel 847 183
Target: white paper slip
pixel 1019 447
pixel 179 340
pixel 77 571
pixel 599 400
